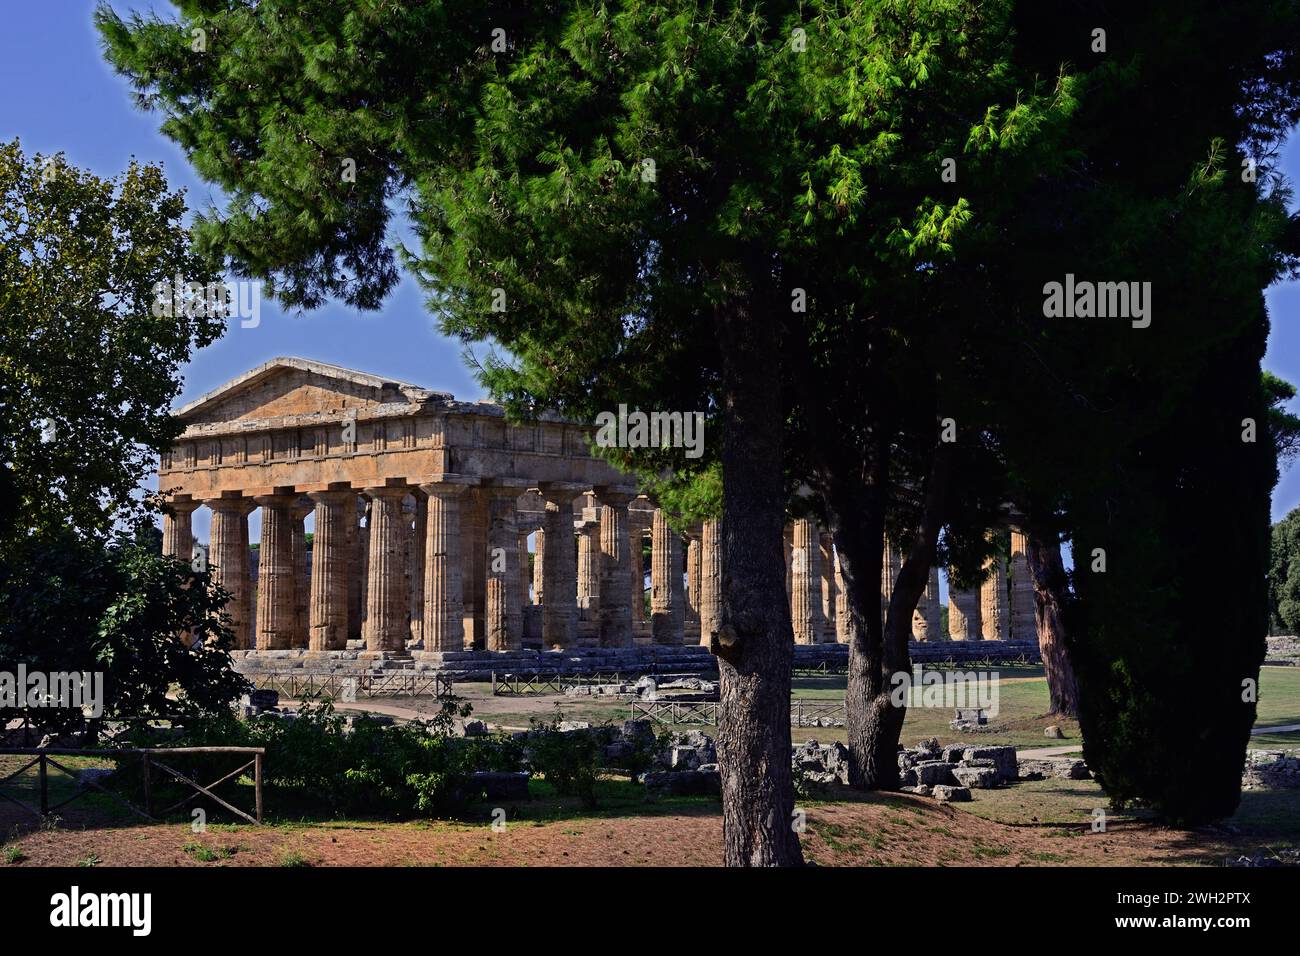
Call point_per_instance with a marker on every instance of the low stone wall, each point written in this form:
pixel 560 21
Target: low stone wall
pixel 640 659
pixel 1271 770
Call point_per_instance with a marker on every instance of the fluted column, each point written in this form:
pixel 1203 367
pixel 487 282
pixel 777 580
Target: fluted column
pixel 993 600
pixel 330 561
pixel 926 622
pixel 667 598
pixel 710 579
pixel 1023 626
pixel 805 583
pixel 228 560
pixel 560 610
pixel 843 618
pixel 275 590
pixel 636 571
pixel 247 636
pixel 419 528
pixel 693 575
pixel 358 553
pixel 826 543
pixel 963 613
pixel 588 569
pixel 178 538
pixel 504 617
pixel 301 576
pixel 539 568
pixel 444 615
pixel 524 598
pixel 473 550
pixel 387 604
pixel 891 563
pixel 615 570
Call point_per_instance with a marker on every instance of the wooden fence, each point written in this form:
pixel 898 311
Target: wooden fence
pixel 348 687
pixel 43 760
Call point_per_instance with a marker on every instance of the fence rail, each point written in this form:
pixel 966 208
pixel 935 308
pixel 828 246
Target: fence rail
pixel 803 713
pixel 43 760
pixel 349 687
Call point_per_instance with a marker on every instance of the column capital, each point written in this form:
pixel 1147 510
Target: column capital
pixel 182 504
pixel 275 500
pixel 561 492
pixel 333 496
pixel 614 496
pixel 232 504
pixel 387 491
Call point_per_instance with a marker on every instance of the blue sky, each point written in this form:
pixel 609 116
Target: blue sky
pixel 61 96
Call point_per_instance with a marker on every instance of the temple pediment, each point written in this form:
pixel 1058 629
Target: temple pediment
pixel 285 387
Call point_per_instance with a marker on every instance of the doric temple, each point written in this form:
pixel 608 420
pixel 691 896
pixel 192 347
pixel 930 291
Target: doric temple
pixel 439 526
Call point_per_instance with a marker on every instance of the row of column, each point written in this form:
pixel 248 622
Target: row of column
pixel 426 578
pixel 819 603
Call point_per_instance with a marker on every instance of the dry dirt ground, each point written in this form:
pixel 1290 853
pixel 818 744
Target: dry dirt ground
pixel 875 830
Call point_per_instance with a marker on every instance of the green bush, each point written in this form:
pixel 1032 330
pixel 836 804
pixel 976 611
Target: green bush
pixel 370 768
pixel 570 761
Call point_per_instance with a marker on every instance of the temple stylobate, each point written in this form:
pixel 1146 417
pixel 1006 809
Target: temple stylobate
pixel 438 526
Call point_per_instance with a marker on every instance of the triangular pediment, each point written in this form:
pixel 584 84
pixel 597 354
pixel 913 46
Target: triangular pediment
pixel 287 387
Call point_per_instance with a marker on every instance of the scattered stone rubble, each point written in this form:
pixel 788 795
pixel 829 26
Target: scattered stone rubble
pixel 1271 770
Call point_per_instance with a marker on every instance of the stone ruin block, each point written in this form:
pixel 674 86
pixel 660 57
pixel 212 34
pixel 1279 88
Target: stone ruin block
pixel 1003 758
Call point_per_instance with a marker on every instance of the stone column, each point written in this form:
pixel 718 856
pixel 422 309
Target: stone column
pixel 228 560
pixel 248 610
pixel 560 610
pixel 419 527
pixel 301 576
pixel 504 618
pixel 474 549
pixel 178 539
pixel 805 583
pixel 843 618
pixel 1023 626
pixel 444 614
pixel 358 553
pixel 525 596
pixel 636 571
pixel 387 603
pixel 993 600
pixel 710 579
pixel 693 564
pixel 827 565
pixel 926 622
pixel 588 568
pixel 331 558
pixel 667 614
pixel 963 613
pixel 892 562
pixel 615 569
pixel 275 590
pixel 539 567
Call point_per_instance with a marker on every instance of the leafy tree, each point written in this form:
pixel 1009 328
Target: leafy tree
pixel 1132 442
pixel 87 372
pixel 1284 575
pixel 70 604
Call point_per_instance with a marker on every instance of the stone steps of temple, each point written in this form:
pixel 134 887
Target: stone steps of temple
pixel 473 666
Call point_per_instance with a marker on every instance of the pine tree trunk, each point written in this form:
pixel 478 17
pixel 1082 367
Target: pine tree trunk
pixel 1050 591
pixel 755 641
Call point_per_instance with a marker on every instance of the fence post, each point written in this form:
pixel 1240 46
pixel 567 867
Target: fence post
pixel 148 785
pixel 257 784
pixel 45 793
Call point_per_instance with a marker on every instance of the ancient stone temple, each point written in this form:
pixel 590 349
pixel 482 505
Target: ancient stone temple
pixel 439 527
